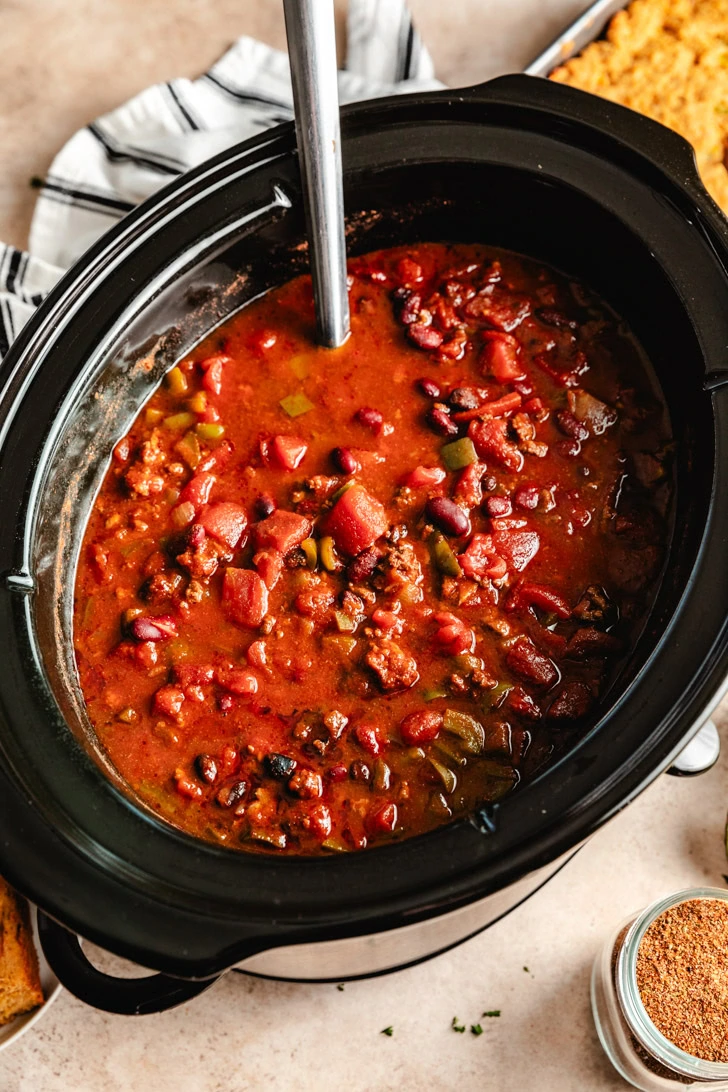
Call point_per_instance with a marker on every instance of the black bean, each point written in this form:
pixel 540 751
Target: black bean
pixel 280 766
pixel 359 771
pixel 206 768
pixel 230 795
pixel 448 516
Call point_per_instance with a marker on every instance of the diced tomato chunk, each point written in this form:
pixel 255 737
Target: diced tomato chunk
pixel 186 786
pixel 497 407
pixel 288 451
pixel 453 636
pixel 468 490
pixel 525 660
pixel 209 416
pixel 244 596
pixel 385 619
pixel 424 475
pixel 218 459
pixel 269 564
pixel 226 522
pixel 490 437
pixel 257 654
pixel 281 531
pixel 212 368
pixel 383 819
pixel 481 559
pixel 356 521
pixel 193 674
pixel 168 701
pixel 500 356
pixel 538 595
pixel 198 489
pixel 236 680
pixel 518 548
pixel 421 727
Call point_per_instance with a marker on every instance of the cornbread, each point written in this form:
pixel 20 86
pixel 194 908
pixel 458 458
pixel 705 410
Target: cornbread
pixel 20 988
pixel 667 59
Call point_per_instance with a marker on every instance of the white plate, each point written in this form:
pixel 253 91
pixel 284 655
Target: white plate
pixel 11 1032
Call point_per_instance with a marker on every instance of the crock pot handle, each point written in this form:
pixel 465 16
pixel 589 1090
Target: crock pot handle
pixel 663 146
pixel 125 996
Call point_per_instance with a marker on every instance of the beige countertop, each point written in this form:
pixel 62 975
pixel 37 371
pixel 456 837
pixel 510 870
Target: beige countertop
pixel 62 65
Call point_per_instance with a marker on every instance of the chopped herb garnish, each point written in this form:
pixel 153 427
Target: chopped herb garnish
pixel 296 404
pixel 492 1012
pixel 476 1029
pixel 387 1031
pixel 456 1026
pixel 340 987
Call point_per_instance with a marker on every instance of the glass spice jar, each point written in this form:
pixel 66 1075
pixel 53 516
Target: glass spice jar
pixel 632 1042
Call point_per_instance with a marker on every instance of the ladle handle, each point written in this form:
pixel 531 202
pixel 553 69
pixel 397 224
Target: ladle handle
pixel 312 51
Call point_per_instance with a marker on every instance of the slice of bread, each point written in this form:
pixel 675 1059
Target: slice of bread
pixel 20 988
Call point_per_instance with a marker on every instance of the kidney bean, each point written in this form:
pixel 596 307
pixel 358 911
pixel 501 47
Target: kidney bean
pixel 344 461
pixel 573 701
pixel 411 308
pixel 370 418
pixel 206 768
pixel 498 507
pixel 337 773
pixel 425 337
pixel 440 421
pixel 569 448
pixel 196 535
pixel 264 506
pixel 526 497
pixel 570 426
pixel 153 629
pixel 448 516
pixel 429 388
pixel 363 565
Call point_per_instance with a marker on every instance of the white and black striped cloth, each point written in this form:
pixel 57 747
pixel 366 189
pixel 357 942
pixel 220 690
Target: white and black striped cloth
pixel 125 156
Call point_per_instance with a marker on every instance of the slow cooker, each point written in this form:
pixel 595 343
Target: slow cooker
pixel 518 162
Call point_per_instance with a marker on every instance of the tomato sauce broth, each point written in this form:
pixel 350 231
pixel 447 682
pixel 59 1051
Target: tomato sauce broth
pixel 331 598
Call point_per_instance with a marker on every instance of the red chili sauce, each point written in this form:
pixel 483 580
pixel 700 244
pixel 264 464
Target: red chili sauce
pixel 334 598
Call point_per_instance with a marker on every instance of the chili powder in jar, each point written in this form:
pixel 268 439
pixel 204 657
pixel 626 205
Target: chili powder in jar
pixel 660 993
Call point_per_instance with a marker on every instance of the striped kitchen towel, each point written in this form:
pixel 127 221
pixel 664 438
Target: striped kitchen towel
pixel 123 157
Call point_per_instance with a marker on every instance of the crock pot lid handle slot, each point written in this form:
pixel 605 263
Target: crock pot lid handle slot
pixel 663 146
pixel 124 996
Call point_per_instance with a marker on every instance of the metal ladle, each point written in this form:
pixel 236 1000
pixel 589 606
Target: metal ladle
pixel 312 52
